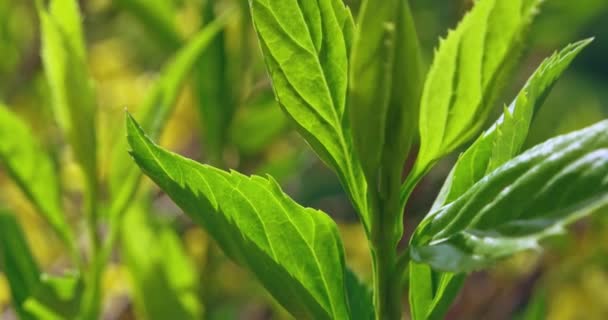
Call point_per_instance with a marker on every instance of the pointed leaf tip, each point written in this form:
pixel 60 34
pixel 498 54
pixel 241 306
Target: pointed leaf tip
pixel 295 252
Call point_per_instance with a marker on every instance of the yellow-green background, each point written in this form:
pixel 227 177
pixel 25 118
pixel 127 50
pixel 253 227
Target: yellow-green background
pixel 124 56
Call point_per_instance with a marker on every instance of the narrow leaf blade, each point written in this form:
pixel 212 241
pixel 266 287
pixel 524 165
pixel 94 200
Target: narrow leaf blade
pixel 64 59
pixel 431 292
pixel 158 264
pixel 19 265
pixel 215 93
pixel 32 169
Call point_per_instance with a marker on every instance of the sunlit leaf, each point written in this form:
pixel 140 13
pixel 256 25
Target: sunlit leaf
pixel 467 74
pixel 295 252
pixel 305 45
pixel 498 144
pixel 73 98
pixel 159 265
pixel 35 295
pixel 156 110
pixel 55 297
pixel 32 169
pixel 505 138
pixel 527 199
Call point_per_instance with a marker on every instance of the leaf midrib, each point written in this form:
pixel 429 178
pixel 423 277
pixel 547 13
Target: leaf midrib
pixel 273 254
pixel 337 126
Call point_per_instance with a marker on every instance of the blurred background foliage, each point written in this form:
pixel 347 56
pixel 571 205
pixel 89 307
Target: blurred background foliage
pixel 226 115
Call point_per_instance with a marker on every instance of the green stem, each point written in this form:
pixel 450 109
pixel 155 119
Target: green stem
pixel 385 235
pixel 91 303
pixel 387 289
pixel 91 214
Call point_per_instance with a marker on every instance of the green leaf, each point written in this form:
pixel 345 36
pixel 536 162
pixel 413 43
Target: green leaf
pixel 305 45
pixel 32 170
pixel 158 265
pixel 156 110
pixel 359 297
pixel 431 293
pixel 35 295
pixel 215 92
pixel 420 290
pixel 56 297
pixel 527 199
pixel 257 125
pixel 158 17
pixel 497 145
pixel 504 140
pixel 40 311
pixel 467 74
pixel 73 98
pixel 537 308
pixel 18 263
pixel 385 84
pixel 295 252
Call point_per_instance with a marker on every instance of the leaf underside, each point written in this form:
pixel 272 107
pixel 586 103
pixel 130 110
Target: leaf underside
pixel 498 144
pixel 527 199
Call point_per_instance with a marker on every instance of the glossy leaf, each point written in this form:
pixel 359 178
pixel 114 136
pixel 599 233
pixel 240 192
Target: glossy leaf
pixel 498 144
pixel 32 169
pixel 156 110
pixel 305 45
pixel 505 138
pixel 384 87
pixel 295 252
pixel 527 199
pixel 73 98
pixel 467 74
pixel 158 265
